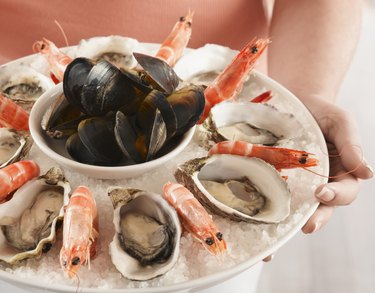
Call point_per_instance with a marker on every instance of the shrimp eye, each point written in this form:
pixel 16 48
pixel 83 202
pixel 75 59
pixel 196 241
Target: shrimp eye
pixel 210 241
pixel 75 261
pixel 189 24
pixel 219 236
pixel 303 160
pixel 64 263
pixel 254 50
pixel 182 18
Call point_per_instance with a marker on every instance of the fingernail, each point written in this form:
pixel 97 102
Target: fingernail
pixel 317 226
pixel 326 194
pixel 370 170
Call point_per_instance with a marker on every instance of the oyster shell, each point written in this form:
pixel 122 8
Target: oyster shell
pixel 148 231
pixel 250 122
pixel 239 188
pixel 29 219
pixel 114 49
pixel 14 145
pixel 23 84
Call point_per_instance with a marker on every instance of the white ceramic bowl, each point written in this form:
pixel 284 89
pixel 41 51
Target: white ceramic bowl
pixel 55 149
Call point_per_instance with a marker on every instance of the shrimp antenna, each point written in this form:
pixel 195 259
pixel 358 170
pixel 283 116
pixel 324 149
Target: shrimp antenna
pixel 337 156
pixel 62 32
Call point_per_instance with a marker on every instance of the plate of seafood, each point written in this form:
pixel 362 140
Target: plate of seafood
pixel 130 167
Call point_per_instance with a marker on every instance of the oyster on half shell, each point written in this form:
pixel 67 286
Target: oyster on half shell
pixel 14 145
pixel 147 239
pixel 28 221
pixel 117 50
pixel 23 84
pixel 239 188
pixel 250 122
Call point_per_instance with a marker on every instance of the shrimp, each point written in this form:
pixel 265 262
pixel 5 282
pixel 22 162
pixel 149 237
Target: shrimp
pixel 57 60
pixel 194 217
pixel 15 175
pixel 262 98
pixel 80 231
pixel 280 158
pixel 229 83
pixel 174 45
pixel 12 115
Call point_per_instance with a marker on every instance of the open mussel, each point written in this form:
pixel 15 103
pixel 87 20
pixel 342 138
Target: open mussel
pixel 148 231
pixel 97 89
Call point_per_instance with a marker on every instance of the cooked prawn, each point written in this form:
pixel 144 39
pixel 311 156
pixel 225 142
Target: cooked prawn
pixel 262 98
pixel 280 158
pixel 229 83
pixel 79 231
pixel 194 217
pixel 12 115
pixel 15 175
pixel 57 60
pixel 174 45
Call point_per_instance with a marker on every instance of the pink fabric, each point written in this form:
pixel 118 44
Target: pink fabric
pixel 232 23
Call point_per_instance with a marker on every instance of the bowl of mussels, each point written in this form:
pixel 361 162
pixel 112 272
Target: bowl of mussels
pixel 112 123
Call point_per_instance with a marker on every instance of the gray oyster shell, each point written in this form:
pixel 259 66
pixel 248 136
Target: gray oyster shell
pixel 24 217
pixel 222 167
pixel 150 209
pixel 270 127
pixel 14 146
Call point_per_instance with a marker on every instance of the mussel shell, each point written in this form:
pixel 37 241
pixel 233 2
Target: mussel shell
pixel 188 105
pixel 159 71
pixel 106 89
pixel 126 136
pixel 75 78
pixel 98 138
pixel 62 118
pixel 146 112
pixel 140 145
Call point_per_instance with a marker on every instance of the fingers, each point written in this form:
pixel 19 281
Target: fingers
pixel 343 133
pixel 318 219
pixel 342 191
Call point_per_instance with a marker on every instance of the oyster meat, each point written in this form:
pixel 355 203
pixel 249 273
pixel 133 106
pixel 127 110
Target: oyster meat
pixel 251 122
pixel 147 238
pixel 14 145
pixel 117 50
pixel 239 188
pixel 29 220
pixel 23 84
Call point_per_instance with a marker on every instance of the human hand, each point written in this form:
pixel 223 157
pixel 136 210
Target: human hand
pixel 347 164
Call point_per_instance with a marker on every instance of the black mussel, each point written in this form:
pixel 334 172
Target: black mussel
pixel 106 89
pixel 136 144
pixel 159 71
pixel 75 78
pixel 146 112
pixel 97 137
pixel 61 119
pixel 126 135
pixel 97 89
pixel 141 91
pixel 188 105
